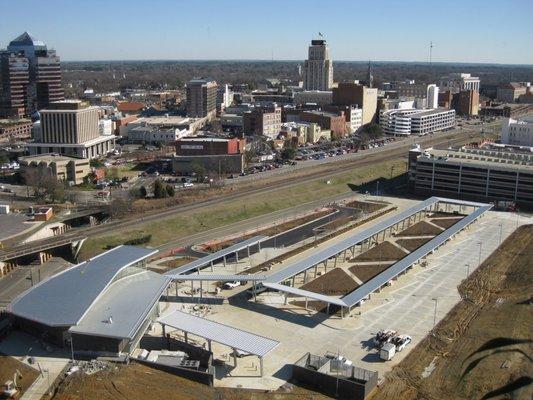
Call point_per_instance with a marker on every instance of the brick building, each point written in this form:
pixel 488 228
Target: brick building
pixel 334 122
pixel 264 120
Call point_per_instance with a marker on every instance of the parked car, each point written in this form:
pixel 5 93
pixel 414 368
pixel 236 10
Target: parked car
pixel 231 285
pixel 401 341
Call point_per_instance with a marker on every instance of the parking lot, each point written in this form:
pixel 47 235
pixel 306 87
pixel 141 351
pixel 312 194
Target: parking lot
pixel 409 307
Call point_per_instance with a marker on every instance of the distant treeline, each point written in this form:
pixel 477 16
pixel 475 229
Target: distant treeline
pixel 115 75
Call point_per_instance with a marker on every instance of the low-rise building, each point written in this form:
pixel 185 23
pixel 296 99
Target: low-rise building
pixel 517 132
pixel 100 307
pixel 510 92
pixel 63 168
pixel 232 122
pixel 19 129
pixel 457 81
pixel 416 122
pixel 319 97
pixel 487 173
pixel 130 107
pixel 163 129
pixel 263 120
pixel 352 115
pixel 359 96
pixel 306 132
pixel 207 154
pixel 336 123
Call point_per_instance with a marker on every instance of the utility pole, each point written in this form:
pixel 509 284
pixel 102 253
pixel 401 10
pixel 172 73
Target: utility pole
pixel 436 300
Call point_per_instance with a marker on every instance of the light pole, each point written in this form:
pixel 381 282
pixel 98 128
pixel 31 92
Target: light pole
pixel 501 227
pixel 436 300
pixel 467 270
pixel 480 244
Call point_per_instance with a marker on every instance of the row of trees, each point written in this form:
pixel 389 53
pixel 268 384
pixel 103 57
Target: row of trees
pixel 161 191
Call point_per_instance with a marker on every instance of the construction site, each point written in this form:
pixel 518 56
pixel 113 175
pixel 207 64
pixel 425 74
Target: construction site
pixel 326 303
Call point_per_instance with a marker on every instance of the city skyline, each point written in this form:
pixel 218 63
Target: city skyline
pixel 356 31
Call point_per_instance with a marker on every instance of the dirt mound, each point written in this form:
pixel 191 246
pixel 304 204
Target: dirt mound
pixel 412 244
pixel 384 251
pixel 446 222
pixel 367 272
pixel 334 283
pixel 421 228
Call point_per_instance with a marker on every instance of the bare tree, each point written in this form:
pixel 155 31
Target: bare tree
pixel 44 184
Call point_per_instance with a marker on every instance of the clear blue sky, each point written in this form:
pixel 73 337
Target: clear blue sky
pixel 493 31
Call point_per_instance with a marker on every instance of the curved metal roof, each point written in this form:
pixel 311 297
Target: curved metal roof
pixel 65 298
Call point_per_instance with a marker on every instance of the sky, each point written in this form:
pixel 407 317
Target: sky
pixel 473 31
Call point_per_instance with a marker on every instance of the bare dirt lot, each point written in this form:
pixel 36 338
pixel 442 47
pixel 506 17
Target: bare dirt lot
pixel 8 366
pixel 367 272
pixel 421 228
pixel 367 206
pixel 384 251
pixel 412 244
pixel 178 262
pixel 137 381
pixel 334 283
pixel 482 349
pixel 445 222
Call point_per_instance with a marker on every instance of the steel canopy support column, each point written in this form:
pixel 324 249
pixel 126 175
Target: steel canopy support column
pixel 224 258
pixel 306 303
pixel 209 346
pixel 261 366
pixel 234 357
pixel 248 251
pixel 237 256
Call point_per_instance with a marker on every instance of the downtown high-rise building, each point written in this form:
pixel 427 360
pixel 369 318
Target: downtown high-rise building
pixel 30 77
pixel 318 68
pixel 201 98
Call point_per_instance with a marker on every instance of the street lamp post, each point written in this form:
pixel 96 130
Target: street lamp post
pixel 480 244
pixel 467 270
pixel 436 300
pixel 501 227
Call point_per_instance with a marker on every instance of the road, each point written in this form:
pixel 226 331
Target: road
pixel 20 279
pixel 264 186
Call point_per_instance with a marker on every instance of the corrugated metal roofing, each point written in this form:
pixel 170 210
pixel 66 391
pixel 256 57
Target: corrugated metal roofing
pixel 121 310
pixel 63 299
pixel 220 277
pixel 324 254
pixel 305 293
pixel 202 262
pixel 375 283
pixel 220 333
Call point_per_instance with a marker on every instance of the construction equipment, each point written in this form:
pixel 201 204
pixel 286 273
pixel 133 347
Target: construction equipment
pixel 384 336
pixel 11 390
pixel 401 341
